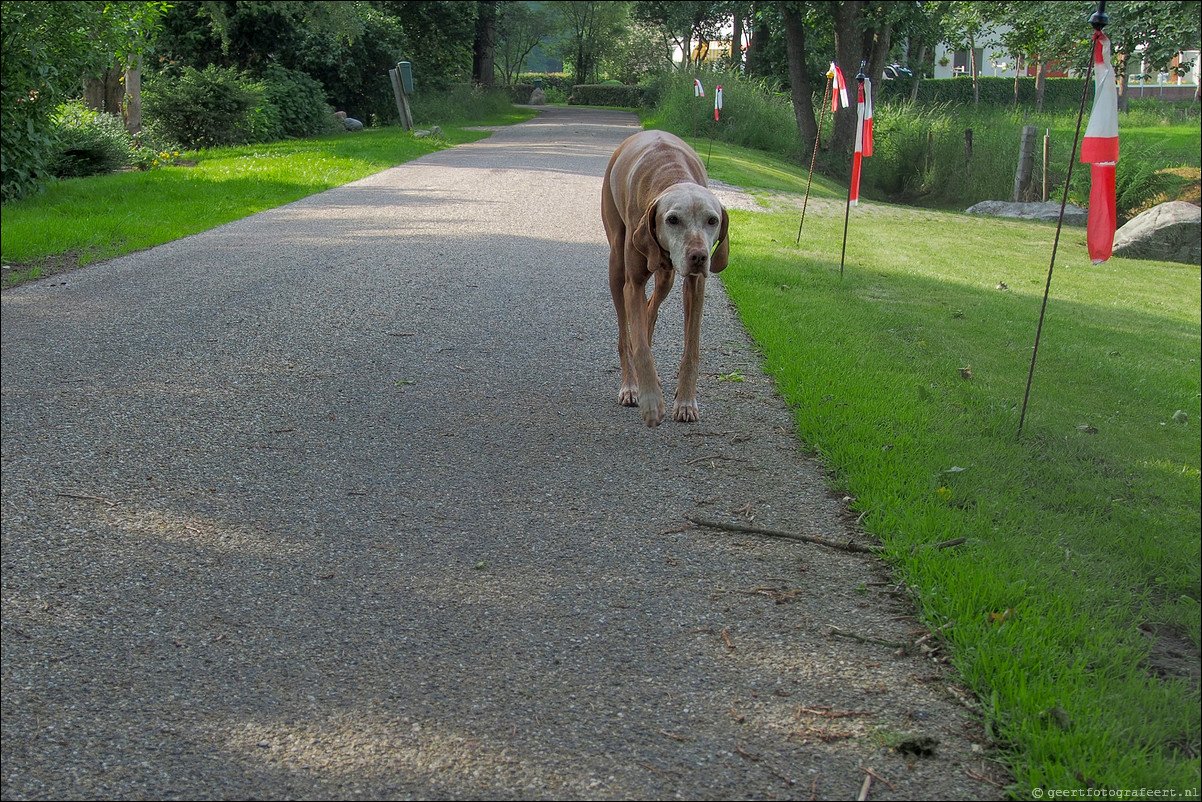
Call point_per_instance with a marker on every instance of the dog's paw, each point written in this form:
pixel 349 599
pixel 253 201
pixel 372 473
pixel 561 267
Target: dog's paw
pixel 628 396
pixel 685 412
pixel 652 410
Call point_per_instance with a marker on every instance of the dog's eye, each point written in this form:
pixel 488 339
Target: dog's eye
pixel 713 221
pixel 672 220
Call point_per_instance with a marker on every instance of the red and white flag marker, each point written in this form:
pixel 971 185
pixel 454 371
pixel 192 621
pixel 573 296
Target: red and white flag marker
pixel 1100 149
pixel 838 87
pixel 863 136
pixel 717 101
pixel 698 89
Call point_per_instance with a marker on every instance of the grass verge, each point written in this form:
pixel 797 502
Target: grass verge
pixel 79 221
pixel 1074 601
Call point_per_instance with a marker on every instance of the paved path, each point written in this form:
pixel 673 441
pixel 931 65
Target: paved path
pixel 337 501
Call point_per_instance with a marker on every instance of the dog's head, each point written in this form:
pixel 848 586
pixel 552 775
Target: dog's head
pixel 687 227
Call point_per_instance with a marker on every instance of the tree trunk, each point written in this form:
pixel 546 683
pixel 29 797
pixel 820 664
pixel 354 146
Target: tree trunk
pixel 133 97
pixel 736 41
pixel 484 49
pixel 803 95
pixel 755 48
pixel 922 58
pixel 1041 76
pixel 849 53
pixel 972 65
pixel 106 92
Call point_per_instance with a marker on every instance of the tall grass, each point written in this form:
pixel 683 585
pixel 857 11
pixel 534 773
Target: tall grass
pixel 922 156
pixel 755 113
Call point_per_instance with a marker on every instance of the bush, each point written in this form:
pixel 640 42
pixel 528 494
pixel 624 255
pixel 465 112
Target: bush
pixel 300 101
pixel 627 97
pixel 28 141
pixel 209 108
pixel 88 142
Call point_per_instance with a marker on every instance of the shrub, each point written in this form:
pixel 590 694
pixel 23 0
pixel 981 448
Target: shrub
pixel 300 100
pixel 27 134
pixel 203 109
pixel 88 142
pixel 629 97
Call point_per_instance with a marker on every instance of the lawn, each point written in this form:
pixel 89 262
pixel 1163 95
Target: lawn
pixel 1073 606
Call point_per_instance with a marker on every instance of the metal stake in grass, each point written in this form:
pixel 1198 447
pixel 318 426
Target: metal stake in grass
pixel 813 158
pixel 1098 21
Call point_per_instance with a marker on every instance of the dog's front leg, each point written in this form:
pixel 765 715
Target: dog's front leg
pixel 664 278
pixel 651 398
pixel 685 407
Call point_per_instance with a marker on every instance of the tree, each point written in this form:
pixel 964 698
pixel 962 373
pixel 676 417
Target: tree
pixel 684 23
pixel 591 27
pixel 48 49
pixel 1151 32
pixel 863 36
pixel 964 28
pixel 520 29
pixel 484 44
pixel 794 16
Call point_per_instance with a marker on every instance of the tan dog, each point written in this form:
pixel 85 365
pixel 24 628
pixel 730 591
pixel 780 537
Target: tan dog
pixel 660 219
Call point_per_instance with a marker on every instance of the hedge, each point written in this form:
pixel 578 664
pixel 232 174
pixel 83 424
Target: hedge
pixel 1059 92
pixel 627 97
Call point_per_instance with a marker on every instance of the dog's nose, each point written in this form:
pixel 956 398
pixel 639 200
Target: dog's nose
pixel 697 259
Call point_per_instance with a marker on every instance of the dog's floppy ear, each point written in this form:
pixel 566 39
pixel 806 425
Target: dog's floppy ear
pixel 722 253
pixel 643 238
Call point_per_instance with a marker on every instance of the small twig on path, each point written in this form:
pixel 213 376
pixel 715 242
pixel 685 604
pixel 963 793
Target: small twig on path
pixel 88 498
pixel 739 748
pixel 863 639
pixel 874 775
pixel 864 788
pixel 726 637
pixel 759 530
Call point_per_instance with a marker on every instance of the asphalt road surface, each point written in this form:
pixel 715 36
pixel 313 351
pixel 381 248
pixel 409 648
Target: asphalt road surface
pixel 337 501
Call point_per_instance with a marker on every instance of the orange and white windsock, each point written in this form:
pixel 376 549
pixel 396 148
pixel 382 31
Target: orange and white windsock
pixel 838 87
pixel 1100 149
pixel 698 89
pixel 717 101
pixel 863 137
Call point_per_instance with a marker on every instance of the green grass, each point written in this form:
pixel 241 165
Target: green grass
pixel 80 221
pixel 1081 569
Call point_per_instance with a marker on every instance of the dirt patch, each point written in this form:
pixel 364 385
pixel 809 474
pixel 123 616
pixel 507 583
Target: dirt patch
pixel 20 272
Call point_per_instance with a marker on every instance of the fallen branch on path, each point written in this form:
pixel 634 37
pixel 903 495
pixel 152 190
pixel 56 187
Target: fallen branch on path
pixel 759 530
